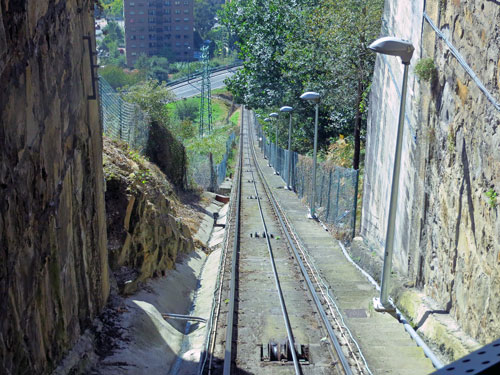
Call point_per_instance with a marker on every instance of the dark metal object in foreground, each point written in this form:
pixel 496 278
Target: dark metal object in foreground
pixel 485 361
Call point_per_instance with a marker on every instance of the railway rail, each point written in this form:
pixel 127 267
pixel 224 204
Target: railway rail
pixel 277 317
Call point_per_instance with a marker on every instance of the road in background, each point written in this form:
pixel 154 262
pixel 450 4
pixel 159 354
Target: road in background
pixel 193 87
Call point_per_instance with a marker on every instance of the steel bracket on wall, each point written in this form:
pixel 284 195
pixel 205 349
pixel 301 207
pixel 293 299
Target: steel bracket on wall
pixel 92 53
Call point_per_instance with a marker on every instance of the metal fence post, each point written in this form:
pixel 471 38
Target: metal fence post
pixel 328 198
pixel 337 200
pixel 355 203
pixel 120 119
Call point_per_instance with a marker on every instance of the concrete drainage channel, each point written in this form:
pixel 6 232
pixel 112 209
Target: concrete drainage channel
pixel 211 235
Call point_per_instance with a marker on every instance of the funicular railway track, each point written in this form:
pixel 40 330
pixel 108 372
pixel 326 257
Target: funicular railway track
pixel 273 317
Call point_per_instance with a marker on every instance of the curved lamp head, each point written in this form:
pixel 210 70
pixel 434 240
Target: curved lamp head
pixel 257 115
pixel 267 119
pixel 310 96
pixel 286 109
pixel 274 114
pixel 394 47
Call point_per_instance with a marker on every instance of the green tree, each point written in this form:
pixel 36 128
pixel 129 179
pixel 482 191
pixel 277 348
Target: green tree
pixel 291 47
pixel 204 16
pixel 117 77
pixel 151 96
pixel 154 67
pixel 112 8
pixel 355 23
pixel 187 110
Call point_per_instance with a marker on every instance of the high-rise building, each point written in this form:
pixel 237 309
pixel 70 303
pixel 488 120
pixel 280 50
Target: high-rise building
pixel 158 28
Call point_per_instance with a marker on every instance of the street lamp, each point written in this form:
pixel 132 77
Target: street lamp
pixel 404 49
pixel 267 119
pixel 275 116
pixel 289 110
pixel 313 97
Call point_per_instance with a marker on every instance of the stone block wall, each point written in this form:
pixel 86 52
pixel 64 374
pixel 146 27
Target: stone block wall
pixel 53 259
pixel 448 241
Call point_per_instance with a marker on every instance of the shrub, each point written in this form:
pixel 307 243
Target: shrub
pixel 425 69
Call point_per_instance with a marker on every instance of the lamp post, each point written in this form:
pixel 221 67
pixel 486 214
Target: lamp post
pixel 275 116
pixel 256 116
pixel 404 49
pixel 288 179
pixel 313 97
pixel 267 119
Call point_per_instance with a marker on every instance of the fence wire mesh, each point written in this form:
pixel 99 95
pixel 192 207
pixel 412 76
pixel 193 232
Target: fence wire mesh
pixel 202 170
pixel 122 120
pixel 336 187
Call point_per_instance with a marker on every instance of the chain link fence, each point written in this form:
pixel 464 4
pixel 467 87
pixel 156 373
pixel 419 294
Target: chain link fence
pixel 202 170
pixel 122 120
pixel 336 187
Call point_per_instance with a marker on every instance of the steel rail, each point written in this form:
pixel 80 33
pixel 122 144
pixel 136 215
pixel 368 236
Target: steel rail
pixel 284 311
pixel 319 306
pixel 236 244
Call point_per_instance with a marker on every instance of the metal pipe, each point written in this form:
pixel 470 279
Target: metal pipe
pixel 389 242
pixel 183 317
pixel 276 150
pixel 288 179
pixel 315 154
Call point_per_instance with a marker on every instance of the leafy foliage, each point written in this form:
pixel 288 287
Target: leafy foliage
pixel 154 67
pixel 425 69
pixel 151 96
pixel 114 39
pixel 112 8
pixel 306 45
pixel 117 77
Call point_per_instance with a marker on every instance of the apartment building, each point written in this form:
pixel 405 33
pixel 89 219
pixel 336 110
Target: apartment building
pixel 158 28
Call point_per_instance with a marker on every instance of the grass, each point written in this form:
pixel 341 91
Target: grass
pixel 235 117
pixel 219 109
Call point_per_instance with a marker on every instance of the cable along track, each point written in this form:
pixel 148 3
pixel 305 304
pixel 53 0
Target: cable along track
pixel 268 324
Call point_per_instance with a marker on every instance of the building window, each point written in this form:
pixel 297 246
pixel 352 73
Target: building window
pixel 133 46
pixel 177 27
pixel 177 36
pixel 186 19
pixel 131 12
pixel 177 2
pixel 177 20
pixel 186 11
pixel 177 11
pixel 186 36
pixel 167 11
pixel 134 53
pixel 151 12
pixel 151 20
pixel 131 4
pixel 141 37
pixel 132 37
pixel 186 27
pixel 141 12
pixel 177 44
pixel 186 43
pixel 186 2
pixel 167 3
